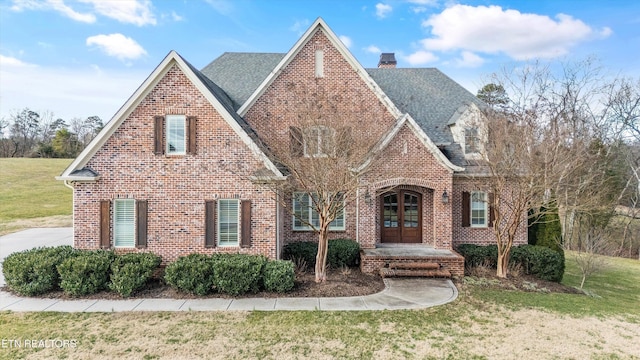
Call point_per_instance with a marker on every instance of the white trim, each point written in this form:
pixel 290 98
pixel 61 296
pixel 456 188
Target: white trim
pixel 486 210
pixel 420 134
pixel 168 119
pixel 78 178
pixel 238 223
pixel 320 25
pixel 147 86
pixel 115 232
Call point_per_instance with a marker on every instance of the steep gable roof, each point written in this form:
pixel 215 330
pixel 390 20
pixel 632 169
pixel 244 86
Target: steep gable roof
pixel 431 97
pixel 240 74
pixel 319 25
pixel 213 93
pixel 407 120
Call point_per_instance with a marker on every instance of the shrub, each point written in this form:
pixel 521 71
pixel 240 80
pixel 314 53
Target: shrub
pixel 86 273
pixel 301 251
pixel 130 272
pixel 237 274
pixel 343 252
pixel 476 255
pixel 340 252
pixel 279 276
pixel 538 261
pixel 34 271
pixel 192 273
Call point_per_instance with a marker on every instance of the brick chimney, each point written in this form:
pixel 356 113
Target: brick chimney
pixel 387 61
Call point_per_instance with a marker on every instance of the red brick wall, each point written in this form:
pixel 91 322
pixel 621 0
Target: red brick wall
pixel 175 186
pixel 470 235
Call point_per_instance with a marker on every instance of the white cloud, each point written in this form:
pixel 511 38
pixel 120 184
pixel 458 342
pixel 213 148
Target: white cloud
pixel 8 61
pixel 469 60
pixel 373 49
pixel 300 26
pixel 67 92
pixel 382 10
pixel 176 17
pixel 117 45
pixel 421 57
pixel 137 12
pixel 490 29
pixel 346 40
pixel 56 5
pixel 224 7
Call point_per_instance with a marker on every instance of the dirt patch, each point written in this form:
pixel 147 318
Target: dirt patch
pixel 487 278
pixel 340 283
pixel 42 222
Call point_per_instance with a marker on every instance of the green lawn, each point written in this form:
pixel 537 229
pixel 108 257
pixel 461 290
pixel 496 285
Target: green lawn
pixel 29 190
pixel 480 324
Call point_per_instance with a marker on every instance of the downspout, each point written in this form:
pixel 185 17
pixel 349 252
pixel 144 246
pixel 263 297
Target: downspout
pixel 73 207
pixel 277 225
pixel 358 215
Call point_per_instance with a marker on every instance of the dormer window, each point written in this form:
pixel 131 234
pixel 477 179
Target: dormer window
pixel 471 141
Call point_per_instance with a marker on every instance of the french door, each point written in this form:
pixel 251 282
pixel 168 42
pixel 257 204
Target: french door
pixel 401 217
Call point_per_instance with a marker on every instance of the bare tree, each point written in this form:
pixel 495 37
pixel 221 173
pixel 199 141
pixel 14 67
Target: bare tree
pixel 542 144
pixel 327 142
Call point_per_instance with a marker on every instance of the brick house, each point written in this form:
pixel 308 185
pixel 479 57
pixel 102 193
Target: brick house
pixel 157 177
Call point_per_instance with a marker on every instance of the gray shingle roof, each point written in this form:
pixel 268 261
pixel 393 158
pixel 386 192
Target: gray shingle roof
pixel 430 96
pixel 240 74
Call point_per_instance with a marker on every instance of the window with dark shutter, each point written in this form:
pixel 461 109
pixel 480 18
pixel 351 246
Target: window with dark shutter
pixel 492 213
pixel 191 137
pixel 158 135
pixel 210 223
pixel 466 209
pixel 296 143
pixel 141 223
pixel 105 224
pixel 245 227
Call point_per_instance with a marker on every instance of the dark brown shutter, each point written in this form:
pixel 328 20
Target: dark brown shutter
pixel 466 209
pixel 210 223
pixel 245 227
pixel 295 141
pixel 191 138
pixel 141 223
pixel 105 224
pixel 158 135
pixel 492 212
pixel 344 141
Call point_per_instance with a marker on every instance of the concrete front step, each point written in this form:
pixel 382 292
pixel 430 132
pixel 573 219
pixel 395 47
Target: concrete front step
pixel 439 273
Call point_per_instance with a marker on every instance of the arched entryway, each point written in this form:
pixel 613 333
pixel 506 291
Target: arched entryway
pixel 401 217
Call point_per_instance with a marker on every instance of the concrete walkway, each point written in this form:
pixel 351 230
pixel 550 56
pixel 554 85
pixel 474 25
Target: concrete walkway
pixel 398 294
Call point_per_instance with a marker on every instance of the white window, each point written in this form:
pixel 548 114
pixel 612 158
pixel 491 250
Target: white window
pixel 176 135
pixel 319 141
pixel 478 209
pixel 124 222
pixel 305 213
pixel 228 226
pixel 319 63
pixel 471 141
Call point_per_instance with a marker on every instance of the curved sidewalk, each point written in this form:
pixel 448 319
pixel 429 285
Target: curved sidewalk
pixel 398 293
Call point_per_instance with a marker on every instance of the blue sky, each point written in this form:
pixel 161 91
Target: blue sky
pixel 78 58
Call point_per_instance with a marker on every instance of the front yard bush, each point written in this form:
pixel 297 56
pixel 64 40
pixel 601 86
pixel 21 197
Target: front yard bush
pixel 130 272
pixel 341 252
pixel 34 272
pixel 192 273
pixel 86 273
pixel 279 276
pixel 539 261
pixel 237 274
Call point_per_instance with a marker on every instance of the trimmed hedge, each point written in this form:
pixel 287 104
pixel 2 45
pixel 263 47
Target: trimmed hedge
pixel 34 272
pixel 192 273
pixel 86 273
pixel 341 252
pixel 538 261
pixel 130 272
pixel 237 274
pixel 279 276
